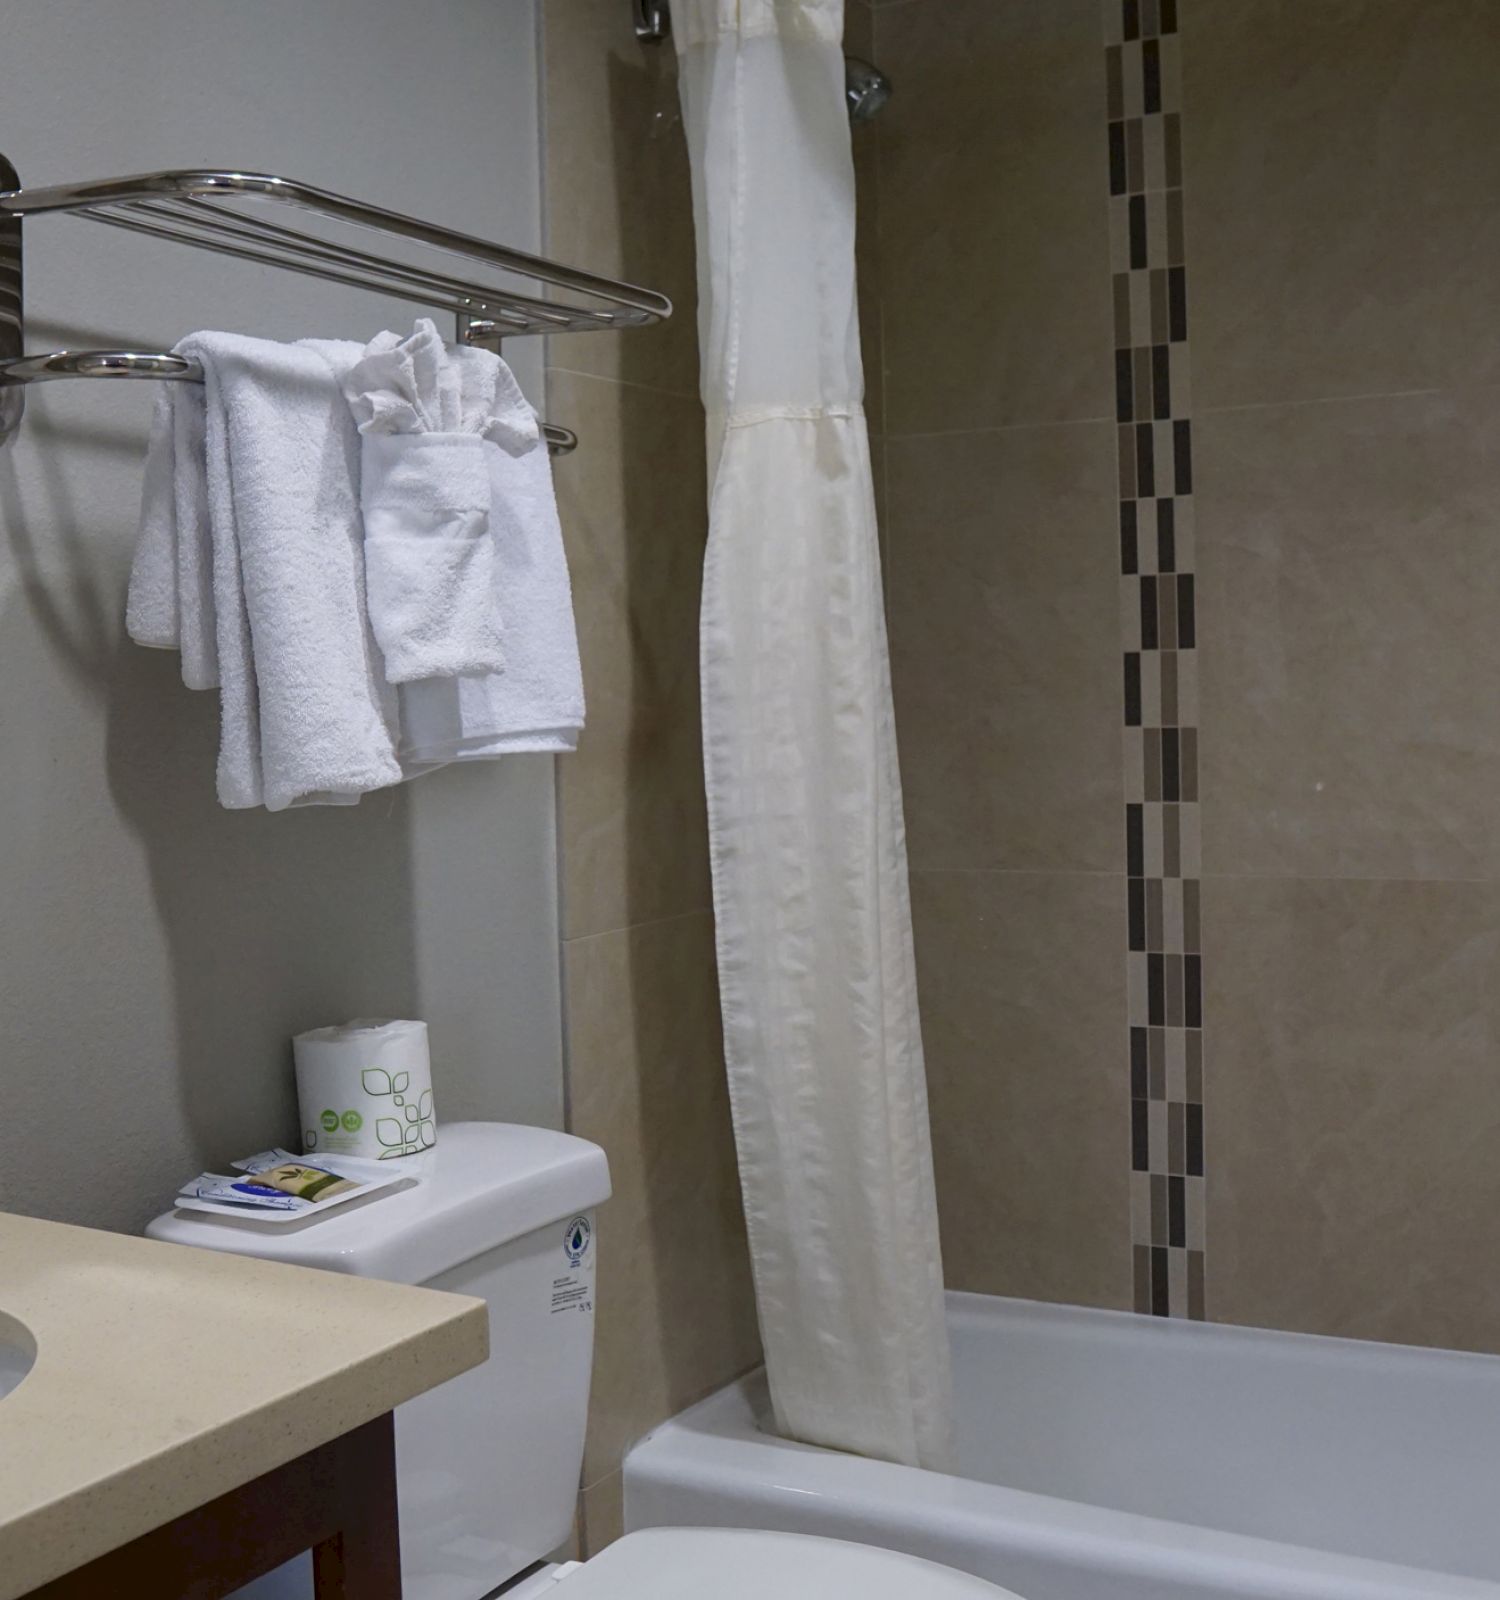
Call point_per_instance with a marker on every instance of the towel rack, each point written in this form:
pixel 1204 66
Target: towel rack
pixel 168 368
pixel 196 207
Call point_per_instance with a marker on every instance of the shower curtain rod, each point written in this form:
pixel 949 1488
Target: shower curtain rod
pixel 194 207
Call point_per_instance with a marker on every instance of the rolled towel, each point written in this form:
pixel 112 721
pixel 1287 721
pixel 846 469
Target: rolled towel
pixel 425 411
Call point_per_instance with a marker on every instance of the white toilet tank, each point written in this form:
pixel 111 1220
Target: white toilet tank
pixel 487 1464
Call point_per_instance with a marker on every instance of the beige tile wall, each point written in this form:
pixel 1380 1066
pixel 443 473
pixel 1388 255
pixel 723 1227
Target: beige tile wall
pixel 1343 218
pixel 676 1315
pixel 1343 225
pixel 1023 986
pixel 1344 197
pixel 1353 1182
pixel 1351 658
pixel 992 277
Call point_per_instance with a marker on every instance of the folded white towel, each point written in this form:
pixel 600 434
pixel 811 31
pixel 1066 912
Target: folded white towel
pixel 429 558
pixel 170 603
pixel 267 594
pixel 425 409
pixel 537 702
pixel 151 609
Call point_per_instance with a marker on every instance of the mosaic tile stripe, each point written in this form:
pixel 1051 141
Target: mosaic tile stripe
pixel 1159 633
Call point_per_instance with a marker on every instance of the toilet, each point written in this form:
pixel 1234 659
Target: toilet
pixel 487 1465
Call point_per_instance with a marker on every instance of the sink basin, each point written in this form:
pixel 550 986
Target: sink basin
pixel 17 1352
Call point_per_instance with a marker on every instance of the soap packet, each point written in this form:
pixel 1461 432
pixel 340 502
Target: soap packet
pixel 277 1186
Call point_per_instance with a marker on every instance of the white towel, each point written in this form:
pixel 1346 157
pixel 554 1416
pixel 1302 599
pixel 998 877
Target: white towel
pixel 537 702
pixel 170 603
pixel 429 558
pixel 424 410
pixel 187 591
pixel 151 610
pixel 264 588
pixel 421 385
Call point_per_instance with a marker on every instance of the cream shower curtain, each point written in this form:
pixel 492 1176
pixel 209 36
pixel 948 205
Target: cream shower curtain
pixel 809 856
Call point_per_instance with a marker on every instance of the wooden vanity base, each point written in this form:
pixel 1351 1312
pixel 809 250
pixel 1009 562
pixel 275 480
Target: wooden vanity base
pixel 339 1501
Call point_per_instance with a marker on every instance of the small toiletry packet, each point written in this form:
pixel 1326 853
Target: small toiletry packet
pixel 277 1186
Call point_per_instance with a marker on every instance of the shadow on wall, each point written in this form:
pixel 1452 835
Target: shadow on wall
pixel 665 493
pixel 156 951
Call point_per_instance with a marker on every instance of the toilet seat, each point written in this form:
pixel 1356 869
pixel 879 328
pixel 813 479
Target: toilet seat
pixel 740 1564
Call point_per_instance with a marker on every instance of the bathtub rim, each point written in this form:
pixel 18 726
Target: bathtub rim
pixel 964 1306
pixel 719 1458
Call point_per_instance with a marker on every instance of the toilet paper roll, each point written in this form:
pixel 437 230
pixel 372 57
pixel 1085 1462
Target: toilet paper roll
pixel 364 1088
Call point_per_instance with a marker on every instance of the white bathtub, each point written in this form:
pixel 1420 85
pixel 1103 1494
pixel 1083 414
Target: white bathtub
pixel 1113 1457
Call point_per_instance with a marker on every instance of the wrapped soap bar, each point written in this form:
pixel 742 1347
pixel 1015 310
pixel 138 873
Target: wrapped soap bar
pixel 306 1183
pixel 277 1186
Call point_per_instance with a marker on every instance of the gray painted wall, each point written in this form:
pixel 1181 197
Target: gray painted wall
pixel 155 951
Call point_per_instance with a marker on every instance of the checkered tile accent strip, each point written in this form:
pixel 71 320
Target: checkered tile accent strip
pixel 1158 614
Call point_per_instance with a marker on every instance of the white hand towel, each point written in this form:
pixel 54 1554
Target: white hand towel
pixel 429 558
pixel 170 605
pixel 537 702
pixel 269 576
pixel 151 616
pixel 424 410
pixel 171 602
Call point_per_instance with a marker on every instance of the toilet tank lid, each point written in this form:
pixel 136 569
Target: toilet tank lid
pixel 481 1186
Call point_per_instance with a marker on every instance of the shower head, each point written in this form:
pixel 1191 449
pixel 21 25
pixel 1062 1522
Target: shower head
pixel 866 88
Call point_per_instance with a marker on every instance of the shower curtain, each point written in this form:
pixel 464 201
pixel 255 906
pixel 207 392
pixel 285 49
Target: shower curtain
pixel 809 857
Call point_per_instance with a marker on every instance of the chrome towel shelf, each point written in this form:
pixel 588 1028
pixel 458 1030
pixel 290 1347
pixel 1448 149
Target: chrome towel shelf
pixel 168 368
pixel 197 207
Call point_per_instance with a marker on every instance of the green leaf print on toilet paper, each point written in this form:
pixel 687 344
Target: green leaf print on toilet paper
pixel 414 1129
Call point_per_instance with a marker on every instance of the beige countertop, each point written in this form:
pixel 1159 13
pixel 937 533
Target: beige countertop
pixel 165 1376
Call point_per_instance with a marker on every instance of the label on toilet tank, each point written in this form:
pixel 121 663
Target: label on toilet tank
pixel 573 1286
